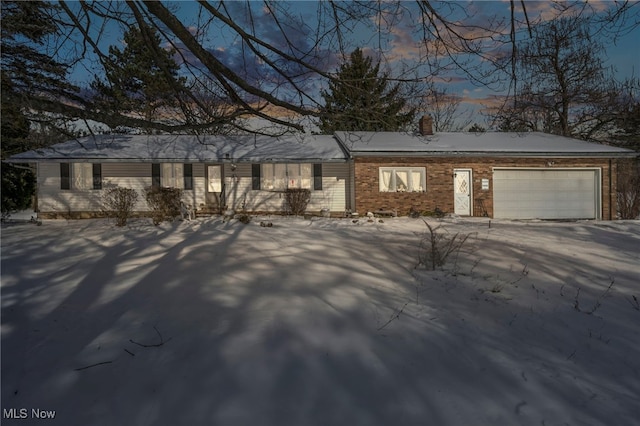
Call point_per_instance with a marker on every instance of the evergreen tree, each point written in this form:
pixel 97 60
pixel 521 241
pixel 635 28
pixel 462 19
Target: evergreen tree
pixel 29 77
pixel 360 99
pixel 142 78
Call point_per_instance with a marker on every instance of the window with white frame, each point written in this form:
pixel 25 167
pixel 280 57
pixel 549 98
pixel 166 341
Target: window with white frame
pixel 403 179
pixel 280 176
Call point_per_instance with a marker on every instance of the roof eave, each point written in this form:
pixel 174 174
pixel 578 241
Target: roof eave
pixel 497 154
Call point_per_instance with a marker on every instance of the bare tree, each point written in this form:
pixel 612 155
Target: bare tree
pixel 561 83
pixel 265 57
pixel 445 109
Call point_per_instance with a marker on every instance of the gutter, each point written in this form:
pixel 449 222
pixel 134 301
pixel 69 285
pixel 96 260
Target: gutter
pixel 172 160
pixel 18 166
pixel 501 154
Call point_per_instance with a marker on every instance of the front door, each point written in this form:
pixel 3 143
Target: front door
pixel 462 192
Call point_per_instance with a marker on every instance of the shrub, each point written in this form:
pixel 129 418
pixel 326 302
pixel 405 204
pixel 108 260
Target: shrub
pixel 119 202
pixel 18 187
pixel 436 246
pixel 297 200
pixel 629 191
pixel 243 218
pixel 163 202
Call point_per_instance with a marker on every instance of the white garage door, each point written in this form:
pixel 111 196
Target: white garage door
pixel 546 194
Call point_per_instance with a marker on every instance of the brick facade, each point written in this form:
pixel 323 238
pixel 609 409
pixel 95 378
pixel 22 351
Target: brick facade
pixel 440 191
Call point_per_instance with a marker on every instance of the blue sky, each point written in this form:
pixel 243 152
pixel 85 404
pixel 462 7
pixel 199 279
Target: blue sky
pixel 398 41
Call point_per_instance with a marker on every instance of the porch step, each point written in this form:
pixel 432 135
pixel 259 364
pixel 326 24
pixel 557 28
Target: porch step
pixel 203 211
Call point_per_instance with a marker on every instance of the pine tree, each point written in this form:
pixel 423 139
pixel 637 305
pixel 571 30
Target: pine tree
pixel 142 78
pixel 29 77
pixel 360 99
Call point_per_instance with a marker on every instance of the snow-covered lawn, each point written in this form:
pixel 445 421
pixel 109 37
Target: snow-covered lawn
pixel 320 322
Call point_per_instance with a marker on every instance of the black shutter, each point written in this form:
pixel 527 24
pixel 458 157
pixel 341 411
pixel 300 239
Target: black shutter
pixel 255 176
pixel 188 176
pixel 97 176
pixel 155 175
pixel 65 181
pixel 317 176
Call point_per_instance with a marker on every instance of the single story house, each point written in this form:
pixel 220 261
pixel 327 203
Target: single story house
pixel 215 172
pixel 498 175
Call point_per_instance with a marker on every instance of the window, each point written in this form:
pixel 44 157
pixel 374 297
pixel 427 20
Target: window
pixel 80 176
pixel 172 175
pixel 402 179
pixel 280 176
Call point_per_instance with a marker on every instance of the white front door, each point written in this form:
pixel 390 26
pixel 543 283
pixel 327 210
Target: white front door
pixel 462 192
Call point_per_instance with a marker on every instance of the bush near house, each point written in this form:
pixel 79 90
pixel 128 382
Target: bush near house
pixel 119 203
pixel 629 190
pixel 163 202
pixel 18 187
pixel 297 200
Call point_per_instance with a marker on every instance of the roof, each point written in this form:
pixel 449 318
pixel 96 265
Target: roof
pixel 473 144
pixel 190 148
pixel 313 148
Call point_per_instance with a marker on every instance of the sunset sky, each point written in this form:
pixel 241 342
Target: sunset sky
pixel 397 43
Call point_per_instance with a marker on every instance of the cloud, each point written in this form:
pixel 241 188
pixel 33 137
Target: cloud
pixel 487 103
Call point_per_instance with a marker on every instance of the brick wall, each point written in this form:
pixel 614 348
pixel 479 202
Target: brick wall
pixel 439 190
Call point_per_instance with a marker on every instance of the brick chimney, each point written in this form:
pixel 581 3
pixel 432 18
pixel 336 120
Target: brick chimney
pixel 426 125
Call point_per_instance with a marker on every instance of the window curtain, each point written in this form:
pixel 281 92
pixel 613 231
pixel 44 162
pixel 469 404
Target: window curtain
pixel 280 177
pixel 416 181
pixel 267 177
pixel 402 181
pixel 385 181
pixel 306 173
pixel 82 176
pixel 172 175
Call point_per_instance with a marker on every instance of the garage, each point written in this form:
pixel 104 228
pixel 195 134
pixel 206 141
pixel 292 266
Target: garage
pixel 546 193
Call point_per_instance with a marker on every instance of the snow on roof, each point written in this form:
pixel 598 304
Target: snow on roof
pixel 486 143
pixel 190 148
pixel 298 148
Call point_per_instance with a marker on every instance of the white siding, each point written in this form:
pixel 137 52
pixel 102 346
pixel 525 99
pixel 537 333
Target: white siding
pixel 137 176
pixel 239 192
pixel 137 183
pixel 52 199
pixel 196 197
pixel 127 175
pixel 333 195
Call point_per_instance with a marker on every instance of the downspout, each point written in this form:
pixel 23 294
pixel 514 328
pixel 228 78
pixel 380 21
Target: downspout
pixel 351 167
pixel 610 191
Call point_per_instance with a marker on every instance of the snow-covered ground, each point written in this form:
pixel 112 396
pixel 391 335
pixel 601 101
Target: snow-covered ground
pixel 320 322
